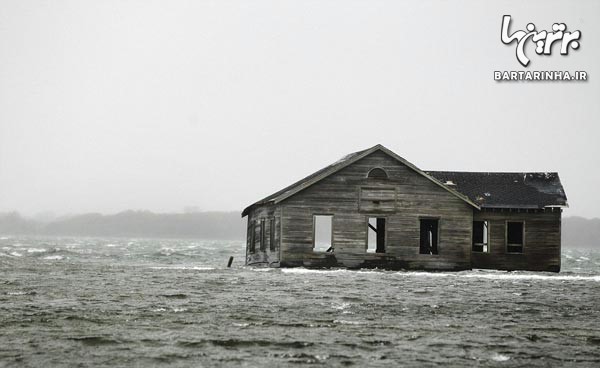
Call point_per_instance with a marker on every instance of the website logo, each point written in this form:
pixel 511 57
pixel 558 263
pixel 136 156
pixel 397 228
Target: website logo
pixel 543 40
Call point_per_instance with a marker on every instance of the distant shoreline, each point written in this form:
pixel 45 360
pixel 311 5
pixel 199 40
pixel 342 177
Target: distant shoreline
pixel 577 232
pixel 131 224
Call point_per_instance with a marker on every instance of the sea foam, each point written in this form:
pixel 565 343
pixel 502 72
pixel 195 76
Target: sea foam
pixel 197 268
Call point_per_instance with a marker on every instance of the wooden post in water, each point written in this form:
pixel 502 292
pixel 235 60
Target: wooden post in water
pixel 230 262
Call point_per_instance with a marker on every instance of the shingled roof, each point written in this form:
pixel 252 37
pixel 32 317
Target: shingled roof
pixel 532 190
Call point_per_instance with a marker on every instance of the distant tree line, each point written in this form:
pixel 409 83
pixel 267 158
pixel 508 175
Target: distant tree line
pixel 204 225
pixel 576 231
pixel 581 232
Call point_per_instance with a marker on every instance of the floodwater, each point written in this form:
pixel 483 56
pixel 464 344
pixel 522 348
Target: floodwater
pixel 117 302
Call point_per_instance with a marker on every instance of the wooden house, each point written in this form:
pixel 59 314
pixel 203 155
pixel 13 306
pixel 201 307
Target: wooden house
pixel 373 208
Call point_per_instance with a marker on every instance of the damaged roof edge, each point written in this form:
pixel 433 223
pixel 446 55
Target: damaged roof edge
pixel 519 190
pixel 520 206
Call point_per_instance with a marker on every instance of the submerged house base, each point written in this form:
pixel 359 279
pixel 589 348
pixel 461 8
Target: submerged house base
pixel 375 209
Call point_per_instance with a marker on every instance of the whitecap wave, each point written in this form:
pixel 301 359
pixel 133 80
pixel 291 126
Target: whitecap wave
pixel 425 274
pixel 533 277
pixel 500 358
pixel 322 271
pixel 343 307
pixel 197 268
pixel 307 270
pixel 36 250
pixel 346 322
pixel 166 251
pixel 54 258
pixel 499 275
pixel 175 309
pixel 502 276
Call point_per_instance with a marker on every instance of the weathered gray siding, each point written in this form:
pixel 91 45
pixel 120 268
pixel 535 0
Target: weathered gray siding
pixel 270 255
pixel 541 249
pixel 343 196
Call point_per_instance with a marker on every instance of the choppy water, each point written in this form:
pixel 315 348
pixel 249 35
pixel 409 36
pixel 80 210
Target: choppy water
pixel 114 302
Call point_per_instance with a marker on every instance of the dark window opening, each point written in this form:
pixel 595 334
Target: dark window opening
pixel 377 173
pixel 429 236
pixel 323 233
pixel 255 235
pixel 376 235
pixel 251 248
pixel 481 236
pixel 514 237
pixel 272 235
pixel 263 241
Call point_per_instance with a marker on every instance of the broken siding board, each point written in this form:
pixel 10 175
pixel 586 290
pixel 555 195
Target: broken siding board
pixel 373 199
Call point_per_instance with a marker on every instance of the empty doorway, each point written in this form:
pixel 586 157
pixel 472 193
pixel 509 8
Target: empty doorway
pixel 323 233
pixel 376 235
pixel 429 236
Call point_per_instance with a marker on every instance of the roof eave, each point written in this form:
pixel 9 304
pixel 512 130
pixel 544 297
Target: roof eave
pixel 247 210
pixel 522 206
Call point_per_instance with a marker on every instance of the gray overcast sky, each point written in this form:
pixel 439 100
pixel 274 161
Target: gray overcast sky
pixel 110 105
